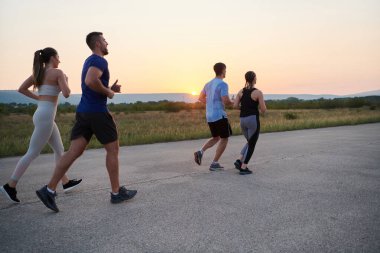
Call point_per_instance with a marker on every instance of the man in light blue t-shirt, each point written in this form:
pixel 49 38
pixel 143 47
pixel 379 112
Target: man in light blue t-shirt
pixel 215 95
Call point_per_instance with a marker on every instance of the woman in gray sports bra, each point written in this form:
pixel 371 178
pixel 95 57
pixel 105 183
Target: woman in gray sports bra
pixel 50 81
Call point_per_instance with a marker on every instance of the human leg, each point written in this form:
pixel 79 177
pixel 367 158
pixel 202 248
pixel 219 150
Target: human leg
pixel 80 136
pixel 210 143
pixel 112 164
pixel 245 132
pixel 43 127
pixel 56 144
pixel 220 149
pixel 43 120
pixel 224 131
pixel 254 129
pixel 76 149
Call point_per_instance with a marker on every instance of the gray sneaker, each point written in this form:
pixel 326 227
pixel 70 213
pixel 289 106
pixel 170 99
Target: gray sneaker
pixel 47 198
pixel 123 195
pixel 216 167
pixel 198 157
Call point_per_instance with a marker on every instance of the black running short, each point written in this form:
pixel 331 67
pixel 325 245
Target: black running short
pixel 220 128
pixel 99 123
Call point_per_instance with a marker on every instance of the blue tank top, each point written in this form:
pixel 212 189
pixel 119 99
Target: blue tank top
pixel 92 101
pixel 248 106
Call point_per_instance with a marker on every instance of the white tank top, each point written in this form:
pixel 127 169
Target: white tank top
pixel 49 90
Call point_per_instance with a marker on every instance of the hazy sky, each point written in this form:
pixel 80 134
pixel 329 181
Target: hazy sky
pixel 294 46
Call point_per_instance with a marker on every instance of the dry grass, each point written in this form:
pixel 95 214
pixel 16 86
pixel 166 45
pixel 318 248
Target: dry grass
pixel 152 127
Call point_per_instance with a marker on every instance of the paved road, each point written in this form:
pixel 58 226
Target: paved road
pixel 311 191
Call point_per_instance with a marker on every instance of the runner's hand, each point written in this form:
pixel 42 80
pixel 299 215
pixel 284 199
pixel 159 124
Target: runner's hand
pixel 116 87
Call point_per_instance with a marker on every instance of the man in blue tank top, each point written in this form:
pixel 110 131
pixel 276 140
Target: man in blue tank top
pixel 92 118
pixel 215 95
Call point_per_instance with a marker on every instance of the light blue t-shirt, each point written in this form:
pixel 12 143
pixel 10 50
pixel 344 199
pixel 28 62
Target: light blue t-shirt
pixel 214 91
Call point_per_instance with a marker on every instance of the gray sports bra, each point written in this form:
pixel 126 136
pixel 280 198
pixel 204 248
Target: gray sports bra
pixel 49 90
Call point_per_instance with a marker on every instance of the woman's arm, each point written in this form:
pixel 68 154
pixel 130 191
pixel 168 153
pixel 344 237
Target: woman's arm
pixel 237 100
pixel 24 88
pixel 262 105
pixel 63 84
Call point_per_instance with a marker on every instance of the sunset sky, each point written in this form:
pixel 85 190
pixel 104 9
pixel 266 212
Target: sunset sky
pixel 162 46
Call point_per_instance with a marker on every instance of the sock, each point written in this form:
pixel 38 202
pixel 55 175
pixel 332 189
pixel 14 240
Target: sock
pixel 50 190
pixel 114 193
pixel 213 162
pixel 201 150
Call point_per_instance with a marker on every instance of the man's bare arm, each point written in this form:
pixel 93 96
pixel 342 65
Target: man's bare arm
pixel 92 80
pixel 202 98
pixel 226 100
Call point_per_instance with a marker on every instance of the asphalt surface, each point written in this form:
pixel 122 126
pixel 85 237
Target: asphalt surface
pixel 311 191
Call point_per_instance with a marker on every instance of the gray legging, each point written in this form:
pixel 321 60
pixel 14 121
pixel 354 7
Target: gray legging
pixel 45 131
pixel 250 127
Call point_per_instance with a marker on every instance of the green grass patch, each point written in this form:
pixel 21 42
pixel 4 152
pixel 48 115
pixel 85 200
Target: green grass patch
pixel 172 125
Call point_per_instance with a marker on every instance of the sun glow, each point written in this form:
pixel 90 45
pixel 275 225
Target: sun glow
pixel 194 93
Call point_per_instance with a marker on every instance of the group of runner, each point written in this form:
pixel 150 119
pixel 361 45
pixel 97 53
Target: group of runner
pixel 93 118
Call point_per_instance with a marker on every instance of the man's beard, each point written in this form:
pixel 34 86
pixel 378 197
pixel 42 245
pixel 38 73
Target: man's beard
pixel 105 51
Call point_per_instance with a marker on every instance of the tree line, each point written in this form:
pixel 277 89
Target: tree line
pixel 372 102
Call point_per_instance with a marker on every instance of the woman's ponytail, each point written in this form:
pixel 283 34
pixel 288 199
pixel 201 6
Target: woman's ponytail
pixel 38 68
pixel 250 79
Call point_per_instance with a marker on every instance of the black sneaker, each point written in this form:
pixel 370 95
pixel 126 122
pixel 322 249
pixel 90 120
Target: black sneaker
pixel 71 184
pixel 123 195
pixel 47 198
pixel 10 193
pixel 198 157
pixel 238 164
pixel 245 171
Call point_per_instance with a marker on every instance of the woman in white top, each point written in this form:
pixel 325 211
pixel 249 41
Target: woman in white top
pixel 50 81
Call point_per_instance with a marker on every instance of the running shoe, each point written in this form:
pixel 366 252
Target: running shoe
pixel 198 157
pixel 238 164
pixel 123 195
pixel 71 184
pixel 47 198
pixel 246 171
pixel 10 193
pixel 216 167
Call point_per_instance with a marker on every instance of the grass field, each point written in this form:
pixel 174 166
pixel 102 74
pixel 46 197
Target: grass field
pixel 152 127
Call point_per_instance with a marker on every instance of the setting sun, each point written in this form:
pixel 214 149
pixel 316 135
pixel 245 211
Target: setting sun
pixel 194 93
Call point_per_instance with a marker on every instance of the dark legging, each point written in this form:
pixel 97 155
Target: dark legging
pixel 250 127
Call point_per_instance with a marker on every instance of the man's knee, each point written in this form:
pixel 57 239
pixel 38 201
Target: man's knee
pixel 216 138
pixel 112 148
pixel 77 147
pixel 224 140
pixel 75 152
